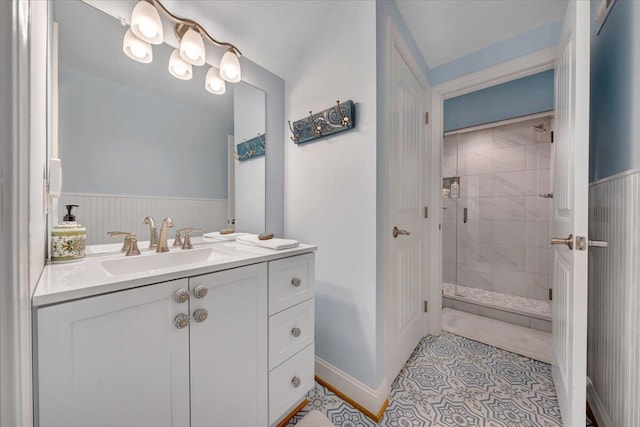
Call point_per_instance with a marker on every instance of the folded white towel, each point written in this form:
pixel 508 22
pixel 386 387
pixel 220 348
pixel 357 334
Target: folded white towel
pixel 275 244
pixel 226 237
pixel 315 419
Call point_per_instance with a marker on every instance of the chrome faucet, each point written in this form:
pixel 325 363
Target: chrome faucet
pixel 162 243
pixel 153 232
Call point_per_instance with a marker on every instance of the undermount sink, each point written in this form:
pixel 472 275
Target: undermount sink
pixel 154 261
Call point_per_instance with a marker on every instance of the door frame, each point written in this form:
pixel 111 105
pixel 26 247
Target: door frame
pixel 397 42
pixel 533 63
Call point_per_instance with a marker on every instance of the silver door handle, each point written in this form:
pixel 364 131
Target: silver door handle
pixel 568 241
pixel 546 196
pixel 397 232
pixel 598 244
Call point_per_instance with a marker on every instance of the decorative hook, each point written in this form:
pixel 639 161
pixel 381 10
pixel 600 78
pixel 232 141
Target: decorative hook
pixel 344 120
pixel 296 136
pixel 262 141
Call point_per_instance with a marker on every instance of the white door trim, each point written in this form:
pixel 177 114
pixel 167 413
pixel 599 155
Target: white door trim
pixel 533 63
pixel 395 41
pixel 16 403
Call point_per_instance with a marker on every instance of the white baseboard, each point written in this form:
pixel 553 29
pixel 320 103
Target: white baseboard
pixel 597 407
pixel 370 399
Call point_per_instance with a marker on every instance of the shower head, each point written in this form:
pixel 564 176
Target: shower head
pixel 540 128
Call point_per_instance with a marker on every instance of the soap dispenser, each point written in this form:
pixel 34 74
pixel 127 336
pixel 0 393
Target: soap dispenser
pixel 68 239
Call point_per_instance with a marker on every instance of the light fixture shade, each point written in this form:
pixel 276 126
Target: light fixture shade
pixel 192 47
pixel 136 49
pixel 179 68
pixel 230 67
pixel 214 83
pixel 146 23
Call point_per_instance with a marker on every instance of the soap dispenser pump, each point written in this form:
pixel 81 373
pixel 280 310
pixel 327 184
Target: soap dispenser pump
pixel 68 239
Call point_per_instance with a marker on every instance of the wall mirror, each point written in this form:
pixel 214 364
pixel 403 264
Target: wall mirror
pixel 135 141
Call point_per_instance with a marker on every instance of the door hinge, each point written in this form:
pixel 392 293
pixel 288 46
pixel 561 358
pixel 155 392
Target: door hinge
pixel 426 211
pixel 426 118
pixel 426 306
pixel 552 135
pixel 550 294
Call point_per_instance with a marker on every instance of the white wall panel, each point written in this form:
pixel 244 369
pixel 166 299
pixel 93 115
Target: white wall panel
pixel 102 213
pixel 613 361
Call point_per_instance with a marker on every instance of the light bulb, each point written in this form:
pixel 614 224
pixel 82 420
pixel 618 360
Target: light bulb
pixel 192 47
pixel 178 67
pixel 147 29
pixel 213 82
pixel 146 23
pixel 136 49
pixel 230 67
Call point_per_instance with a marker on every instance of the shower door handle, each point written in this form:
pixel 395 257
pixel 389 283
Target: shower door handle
pixel 465 215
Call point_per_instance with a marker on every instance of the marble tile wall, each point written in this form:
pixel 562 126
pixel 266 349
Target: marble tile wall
pixel 504 246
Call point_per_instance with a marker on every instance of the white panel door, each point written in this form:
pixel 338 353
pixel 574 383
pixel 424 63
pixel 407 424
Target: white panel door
pixel 229 348
pixel 114 360
pixel 570 212
pixel 406 200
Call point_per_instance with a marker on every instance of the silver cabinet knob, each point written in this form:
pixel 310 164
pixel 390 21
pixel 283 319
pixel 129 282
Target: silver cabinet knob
pixel 296 332
pixel 296 282
pixel 181 321
pixel 295 382
pixel 181 295
pixel 200 315
pixel 200 291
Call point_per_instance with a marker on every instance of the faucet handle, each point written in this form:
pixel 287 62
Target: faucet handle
pixel 178 240
pixel 187 236
pixel 130 245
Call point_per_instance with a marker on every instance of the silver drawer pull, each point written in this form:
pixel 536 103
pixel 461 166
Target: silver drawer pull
pixel 200 291
pixel 296 332
pixel 200 315
pixel 295 382
pixel 296 282
pixel 181 321
pixel 181 295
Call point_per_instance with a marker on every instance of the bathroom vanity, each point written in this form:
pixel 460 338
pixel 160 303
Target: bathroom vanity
pixel 219 335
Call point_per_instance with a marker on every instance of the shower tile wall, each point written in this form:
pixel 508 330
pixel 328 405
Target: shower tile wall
pixel 504 246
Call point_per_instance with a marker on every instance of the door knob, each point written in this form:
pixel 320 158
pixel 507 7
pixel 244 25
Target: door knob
pixel 296 332
pixel 181 321
pixel 200 315
pixel 200 291
pixel 295 382
pixel 181 295
pixel 397 232
pixel 598 244
pixel 296 282
pixel 568 241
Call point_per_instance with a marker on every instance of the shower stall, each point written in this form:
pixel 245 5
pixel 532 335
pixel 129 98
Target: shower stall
pixel 496 221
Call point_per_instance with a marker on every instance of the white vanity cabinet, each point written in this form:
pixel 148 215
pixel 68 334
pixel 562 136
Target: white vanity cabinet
pixel 209 349
pixel 114 360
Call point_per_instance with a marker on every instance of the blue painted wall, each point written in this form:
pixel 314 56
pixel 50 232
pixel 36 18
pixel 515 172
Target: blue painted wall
pixel 615 92
pixel 521 45
pixel 528 95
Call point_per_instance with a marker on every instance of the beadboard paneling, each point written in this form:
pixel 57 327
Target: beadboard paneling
pixel 613 361
pixel 102 213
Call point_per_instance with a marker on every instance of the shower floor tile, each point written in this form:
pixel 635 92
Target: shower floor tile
pixel 499 300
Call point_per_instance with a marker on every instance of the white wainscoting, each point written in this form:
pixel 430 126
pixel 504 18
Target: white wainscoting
pixel 102 213
pixel 613 361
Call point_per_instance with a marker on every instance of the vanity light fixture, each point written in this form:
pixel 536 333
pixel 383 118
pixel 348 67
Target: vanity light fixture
pixel 214 83
pixel 137 49
pixel 178 67
pixel 146 29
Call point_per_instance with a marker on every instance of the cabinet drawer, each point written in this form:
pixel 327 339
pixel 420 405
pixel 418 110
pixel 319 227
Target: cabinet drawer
pixel 283 393
pixel 289 332
pixel 291 281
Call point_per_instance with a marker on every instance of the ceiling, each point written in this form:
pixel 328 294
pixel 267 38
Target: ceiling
pixel 445 30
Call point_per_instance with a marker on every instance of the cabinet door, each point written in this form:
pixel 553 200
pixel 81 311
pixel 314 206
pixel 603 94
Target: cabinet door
pixel 229 349
pixel 114 360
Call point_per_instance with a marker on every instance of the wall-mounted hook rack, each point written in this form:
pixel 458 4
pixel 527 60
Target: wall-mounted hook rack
pixel 249 149
pixel 338 118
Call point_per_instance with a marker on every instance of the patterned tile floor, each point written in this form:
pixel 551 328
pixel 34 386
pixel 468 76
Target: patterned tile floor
pixel 499 300
pixel 453 381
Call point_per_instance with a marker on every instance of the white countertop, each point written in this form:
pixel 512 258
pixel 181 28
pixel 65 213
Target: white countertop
pixel 65 282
